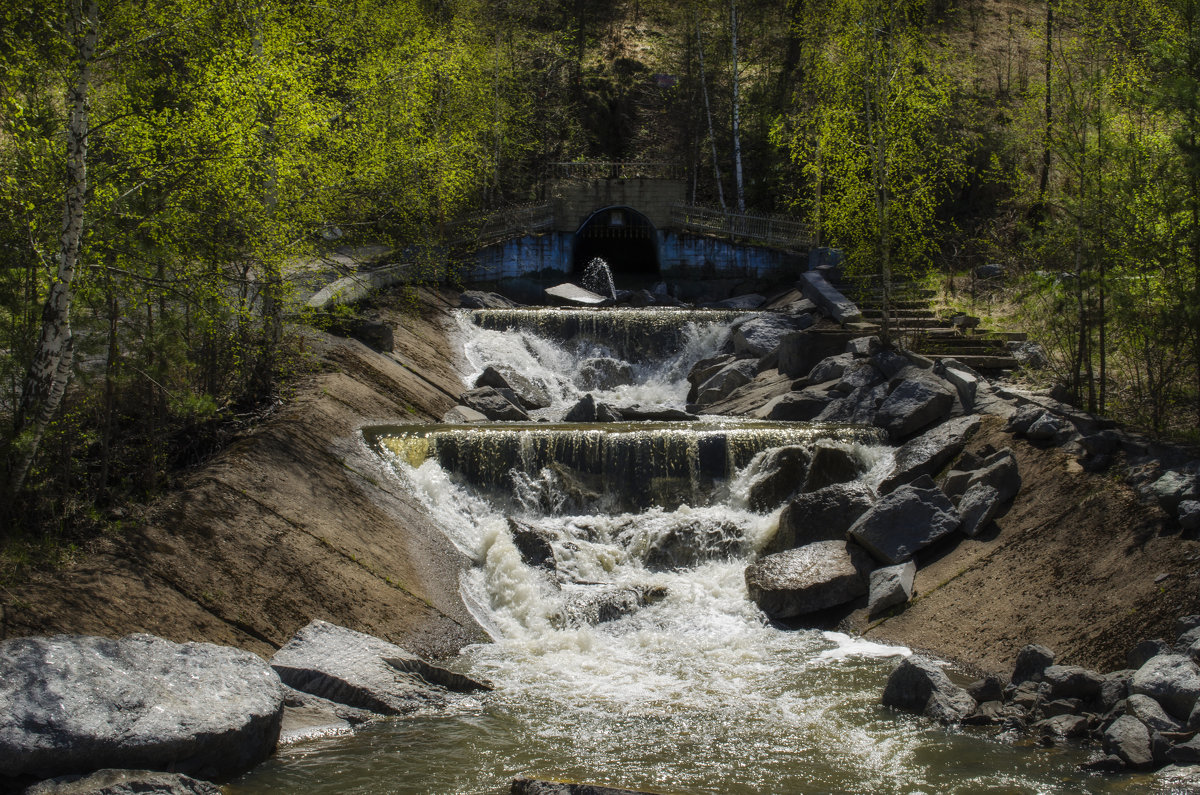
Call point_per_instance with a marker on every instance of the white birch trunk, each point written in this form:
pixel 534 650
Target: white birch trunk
pixel 712 139
pixel 737 137
pixel 50 369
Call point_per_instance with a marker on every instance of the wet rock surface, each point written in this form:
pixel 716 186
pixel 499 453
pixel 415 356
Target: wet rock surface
pixel 77 703
pixel 124 782
pixel 814 577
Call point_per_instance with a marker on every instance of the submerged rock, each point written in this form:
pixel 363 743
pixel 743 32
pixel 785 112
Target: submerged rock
pixel 530 395
pixel 528 786
pixel 685 546
pixel 76 703
pixel 814 577
pixel 831 465
pixel 598 604
pixel 603 372
pixel 781 472
pixel 366 672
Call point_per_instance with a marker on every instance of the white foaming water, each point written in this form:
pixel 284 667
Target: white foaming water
pixel 556 368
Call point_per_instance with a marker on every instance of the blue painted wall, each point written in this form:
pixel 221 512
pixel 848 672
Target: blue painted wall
pixel 546 259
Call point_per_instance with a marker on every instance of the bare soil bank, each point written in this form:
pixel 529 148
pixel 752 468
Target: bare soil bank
pixel 295 521
pixel 1077 564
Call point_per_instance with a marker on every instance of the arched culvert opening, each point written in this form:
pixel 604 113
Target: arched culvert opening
pixel 624 238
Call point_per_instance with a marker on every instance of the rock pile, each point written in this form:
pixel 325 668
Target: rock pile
pixel 1142 717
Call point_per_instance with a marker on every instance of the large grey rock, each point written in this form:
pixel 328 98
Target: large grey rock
pixel 822 515
pixel 494 404
pixel 920 685
pixel 828 298
pixel 890 586
pixel 1146 650
pixel 963 379
pixel 1114 689
pixel 909 519
pixel 308 717
pixel 1128 738
pixel 916 402
pixel 1174 487
pixel 1151 713
pixel 75 703
pixel 725 380
pixel 705 369
pixel 1172 680
pixel 928 453
pixel 977 508
pixel 998 470
pixel 814 577
pixel 799 352
pixel 801 406
pixel 762 334
pixel 588 409
pixel 861 373
pixel 778 473
pixel 365 672
pixel 831 465
pixel 529 394
pixel 830 368
pixel 535 544
pixel 1070 681
pixel 639 413
pixel 124 782
pixel 603 372
pixel 1032 661
pixel 752 397
pixel 1189 514
pixel 691 543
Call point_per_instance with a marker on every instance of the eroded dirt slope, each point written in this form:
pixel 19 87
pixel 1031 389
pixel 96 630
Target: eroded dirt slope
pixel 1078 564
pixel 296 521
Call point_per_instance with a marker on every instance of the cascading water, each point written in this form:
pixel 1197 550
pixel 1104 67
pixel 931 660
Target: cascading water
pixel 609 572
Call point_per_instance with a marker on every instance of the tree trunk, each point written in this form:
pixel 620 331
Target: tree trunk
pixel 737 137
pixel 50 369
pixel 1044 179
pixel 708 112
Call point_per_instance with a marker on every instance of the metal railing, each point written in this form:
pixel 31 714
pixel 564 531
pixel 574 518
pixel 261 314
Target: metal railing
pixel 773 230
pixel 504 223
pixel 606 169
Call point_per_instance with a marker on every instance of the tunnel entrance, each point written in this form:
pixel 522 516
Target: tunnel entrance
pixel 624 238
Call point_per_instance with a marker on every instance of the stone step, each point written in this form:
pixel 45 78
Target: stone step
pixel 981 362
pixel 991 343
pixel 922 313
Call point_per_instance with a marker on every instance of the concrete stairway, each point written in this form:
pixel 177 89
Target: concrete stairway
pixel 921 329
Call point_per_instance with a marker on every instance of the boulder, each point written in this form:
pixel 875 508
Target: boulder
pixel 476 299
pixel 761 335
pixel 1032 661
pixel 598 604
pixel 919 685
pixel 529 395
pixel 998 470
pixel 828 298
pixel 1186 753
pixel 917 402
pixel 1185 623
pixel 1070 681
pixel 1175 487
pixel 1029 355
pixel 1061 727
pixel 890 586
pixel 75 704
pixel 800 351
pixel 705 369
pixel 603 373
pixel 494 404
pixel 863 346
pixel 962 379
pixel 811 578
pixel 124 782
pixel 928 453
pixel 780 472
pixel 909 519
pixel 858 375
pixel 830 368
pixel 831 465
pixel 822 515
pixel 463 415
pixel 309 717
pixel 747 399
pixel 988 689
pixel 590 410
pixel 802 406
pixel 1047 427
pixel 365 672
pixel 1129 739
pixel 725 380
pixel 977 508
pixel 1172 680
pixel 1151 713
pixel 1114 689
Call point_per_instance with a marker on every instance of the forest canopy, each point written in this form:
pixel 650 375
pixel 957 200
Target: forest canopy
pixel 166 164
